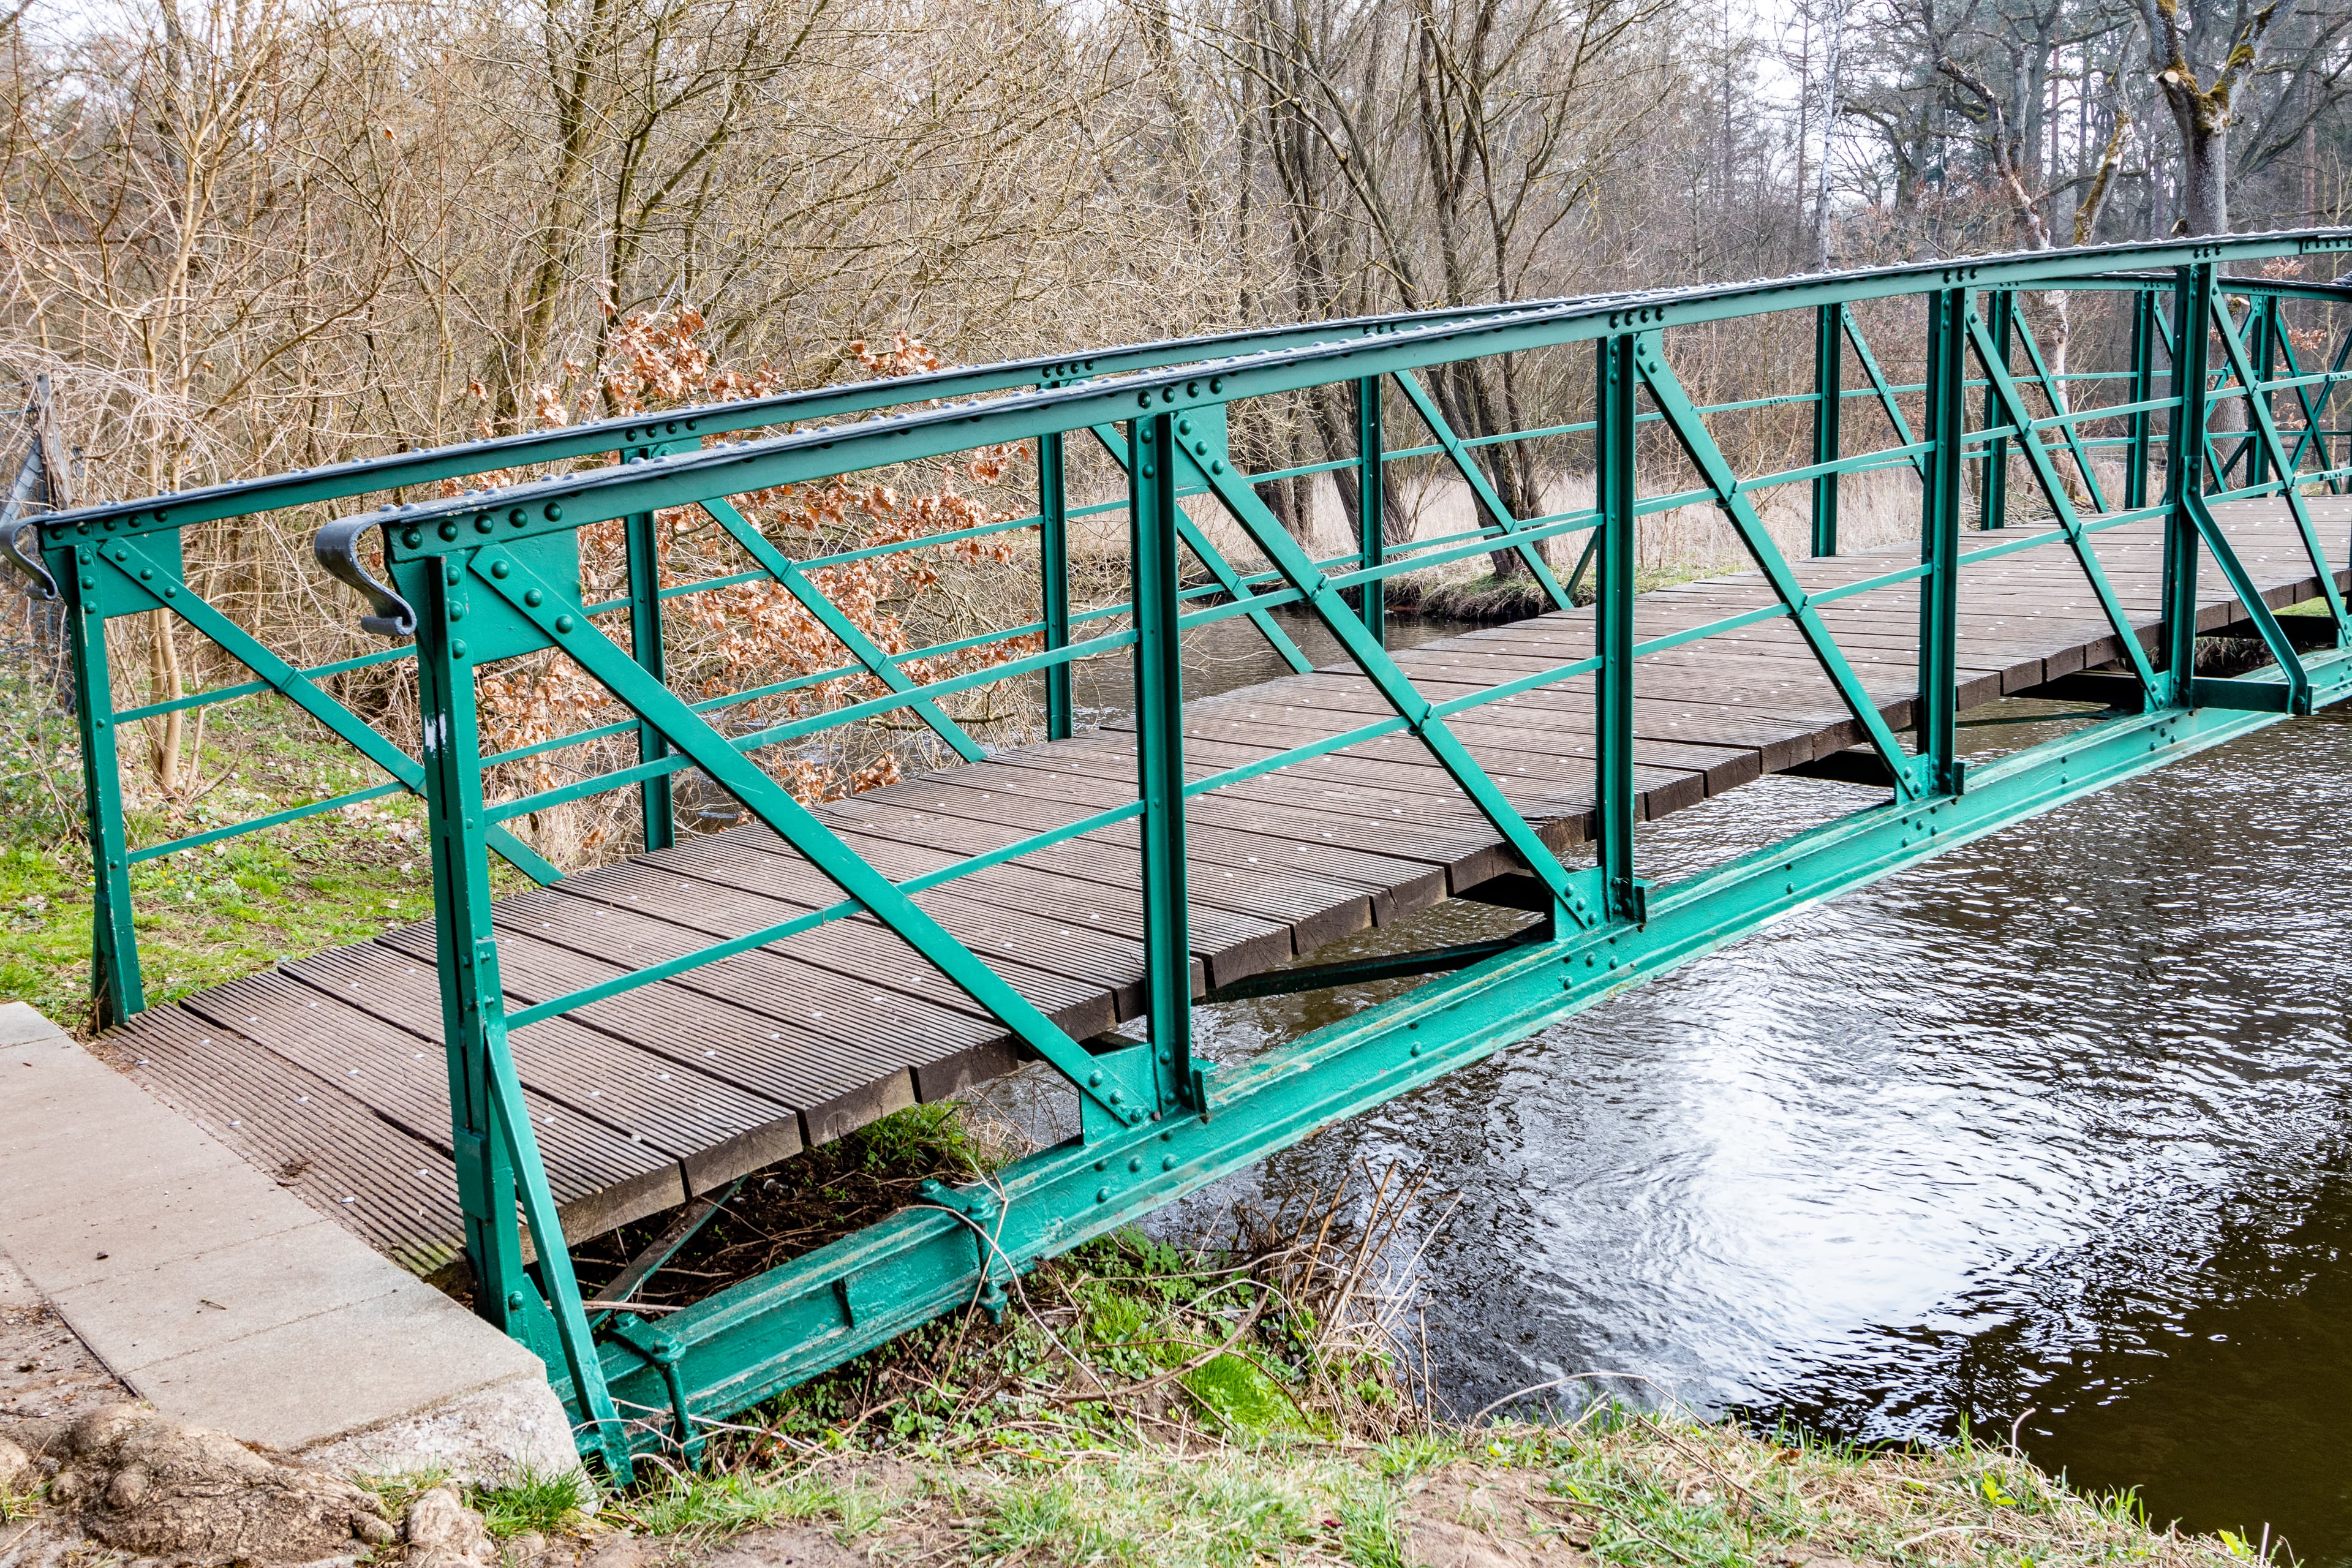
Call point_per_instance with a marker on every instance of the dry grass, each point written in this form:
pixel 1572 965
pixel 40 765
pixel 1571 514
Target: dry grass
pixel 1263 1401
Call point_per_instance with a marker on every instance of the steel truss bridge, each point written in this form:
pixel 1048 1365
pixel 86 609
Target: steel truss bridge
pixel 531 1069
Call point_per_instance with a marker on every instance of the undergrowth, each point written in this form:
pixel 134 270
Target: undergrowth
pixel 1261 1399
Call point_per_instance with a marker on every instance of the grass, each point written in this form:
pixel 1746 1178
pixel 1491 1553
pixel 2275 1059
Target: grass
pixel 1142 1403
pixel 533 1503
pixel 211 914
pixel 1620 1487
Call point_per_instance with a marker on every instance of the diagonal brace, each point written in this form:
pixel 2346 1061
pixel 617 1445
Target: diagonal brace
pixel 2249 595
pixel 1498 515
pixel 1219 567
pixel 2266 431
pixel 879 664
pixel 1569 904
pixel 2026 433
pixel 1885 392
pixel 2045 474
pixel 298 689
pixel 1683 419
pixel 567 624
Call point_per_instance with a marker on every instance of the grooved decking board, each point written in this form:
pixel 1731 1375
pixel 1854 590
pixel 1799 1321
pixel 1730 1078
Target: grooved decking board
pixel 328 1071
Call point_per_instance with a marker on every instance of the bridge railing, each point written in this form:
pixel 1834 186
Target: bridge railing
pixel 107 562
pixel 486 577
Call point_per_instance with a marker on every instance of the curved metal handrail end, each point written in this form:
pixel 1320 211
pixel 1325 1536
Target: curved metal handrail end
pixel 337 549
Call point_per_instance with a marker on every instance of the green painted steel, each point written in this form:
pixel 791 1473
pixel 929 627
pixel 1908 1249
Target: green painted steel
pixel 1053 580
pixel 1155 472
pixel 491 576
pixel 1994 501
pixel 1829 403
pixel 1372 505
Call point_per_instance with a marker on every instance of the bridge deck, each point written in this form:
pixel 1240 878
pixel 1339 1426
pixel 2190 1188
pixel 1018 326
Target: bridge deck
pixel 328 1070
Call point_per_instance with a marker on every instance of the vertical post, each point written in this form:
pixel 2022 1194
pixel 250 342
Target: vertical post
pixel 2192 294
pixel 497 1153
pixel 644 545
pixel 1615 491
pixel 1995 513
pixel 1829 381
pixel 116 992
pixel 2261 315
pixel 1939 543
pixel 1159 747
pixel 461 903
pixel 1054 577
pixel 2143 389
pixel 1371 601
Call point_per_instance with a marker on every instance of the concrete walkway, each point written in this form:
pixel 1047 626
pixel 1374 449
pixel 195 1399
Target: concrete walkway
pixel 226 1301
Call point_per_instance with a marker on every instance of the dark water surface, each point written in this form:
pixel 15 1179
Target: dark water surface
pixel 2053 1127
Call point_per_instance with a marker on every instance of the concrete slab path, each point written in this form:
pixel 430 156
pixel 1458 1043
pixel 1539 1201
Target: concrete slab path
pixel 226 1301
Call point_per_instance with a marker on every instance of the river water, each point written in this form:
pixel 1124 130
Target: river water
pixel 2052 1133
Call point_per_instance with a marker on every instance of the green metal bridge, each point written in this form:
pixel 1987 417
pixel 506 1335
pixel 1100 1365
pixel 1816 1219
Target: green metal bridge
pixel 532 1070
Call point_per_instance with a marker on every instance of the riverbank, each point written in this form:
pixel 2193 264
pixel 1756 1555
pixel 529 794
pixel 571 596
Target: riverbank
pixel 1267 1398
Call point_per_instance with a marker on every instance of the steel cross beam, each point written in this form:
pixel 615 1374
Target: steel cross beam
pixel 1690 429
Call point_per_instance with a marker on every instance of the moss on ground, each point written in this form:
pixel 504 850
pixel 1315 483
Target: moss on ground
pixel 210 914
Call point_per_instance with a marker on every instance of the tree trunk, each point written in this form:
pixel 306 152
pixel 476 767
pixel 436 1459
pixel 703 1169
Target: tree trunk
pixel 2204 176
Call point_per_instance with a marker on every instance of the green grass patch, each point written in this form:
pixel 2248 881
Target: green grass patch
pixel 213 913
pixel 533 1503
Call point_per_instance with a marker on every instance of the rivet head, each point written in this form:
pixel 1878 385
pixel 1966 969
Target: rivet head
pixel 1416 1048
pixel 1094 1080
pixel 1102 1194
pixel 500 568
pixel 146 573
pixel 411 538
pixel 1134 1164
pixel 530 596
pixel 170 591
pixel 563 623
pixel 482 524
pixel 456 613
pixel 554 511
pixel 1183 427
pixel 516 517
pixel 448 531
pixel 1167 1162
pixel 1148 470
pixel 456 650
pixel 1116 1097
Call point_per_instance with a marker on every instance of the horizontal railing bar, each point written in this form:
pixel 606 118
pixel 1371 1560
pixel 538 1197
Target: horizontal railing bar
pixel 275 819
pixel 254 688
pixel 602 493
